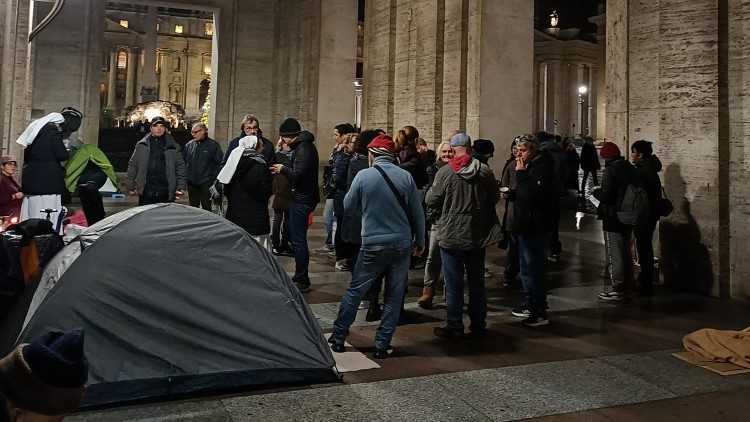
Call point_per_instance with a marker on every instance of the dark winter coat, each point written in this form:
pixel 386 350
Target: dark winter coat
pixel 508 179
pixel 589 157
pixel 42 172
pixel 302 171
pixel 138 166
pixel 282 193
pixel 465 201
pixel 352 225
pixel 203 161
pixel 618 174
pixel 534 197
pixel 412 161
pixel 648 177
pixel 339 180
pixel 248 193
pixel 574 163
pixel 560 159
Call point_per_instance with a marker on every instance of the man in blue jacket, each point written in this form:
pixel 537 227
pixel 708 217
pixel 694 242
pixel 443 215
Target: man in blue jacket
pixel 392 229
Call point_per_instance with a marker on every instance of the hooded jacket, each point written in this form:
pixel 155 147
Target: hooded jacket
pixel 138 166
pixel 463 195
pixel 302 171
pixel 648 176
pixel 42 172
pixel 248 193
pixel 534 198
pixel 560 159
pixel 618 174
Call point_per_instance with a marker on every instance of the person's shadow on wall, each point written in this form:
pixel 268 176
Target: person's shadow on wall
pixel 685 261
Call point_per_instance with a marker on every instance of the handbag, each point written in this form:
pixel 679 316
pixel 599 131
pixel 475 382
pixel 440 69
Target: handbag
pixel 665 206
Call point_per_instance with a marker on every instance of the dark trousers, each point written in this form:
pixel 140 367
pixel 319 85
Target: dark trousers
pixel 455 264
pixel 512 265
pixel 280 231
pixel 153 197
pixel 91 202
pixel 341 246
pixel 200 196
pixel 644 244
pixel 299 214
pixel 531 249
pixel 586 177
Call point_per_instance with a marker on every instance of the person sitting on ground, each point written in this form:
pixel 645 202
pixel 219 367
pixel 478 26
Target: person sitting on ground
pixel 11 196
pixel 46 379
pixel 433 265
pixel 618 174
pixel 533 200
pixel 392 229
pixel 248 186
pixel 464 195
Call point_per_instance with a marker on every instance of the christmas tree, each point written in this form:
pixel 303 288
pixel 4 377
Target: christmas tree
pixel 206 110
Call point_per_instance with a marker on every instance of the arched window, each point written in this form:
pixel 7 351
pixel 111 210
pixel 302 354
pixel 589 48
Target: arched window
pixel 203 92
pixel 122 60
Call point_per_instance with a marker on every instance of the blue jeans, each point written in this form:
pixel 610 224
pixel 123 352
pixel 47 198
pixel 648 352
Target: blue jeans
pixel 391 261
pixel 298 218
pixel 532 250
pixel 455 263
pixel 329 221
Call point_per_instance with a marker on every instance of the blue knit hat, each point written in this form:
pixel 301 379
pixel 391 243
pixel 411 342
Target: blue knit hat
pixel 460 140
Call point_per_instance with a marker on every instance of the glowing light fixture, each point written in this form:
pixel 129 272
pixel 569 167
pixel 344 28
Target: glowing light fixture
pixel 554 19
pixel 583 89
pixel 179 29
pixel 124 23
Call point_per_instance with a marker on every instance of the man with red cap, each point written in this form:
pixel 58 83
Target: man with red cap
pixel 618 174
pixel 387 198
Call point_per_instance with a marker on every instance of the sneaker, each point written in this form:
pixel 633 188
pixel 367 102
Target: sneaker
pixel 612 295
pixel 553 258
pixel 303 288
pixel 521 312
pixel 336 346
pixel 383 353
pixel 342 265
pixel 331 254
pixel 536 320
pixel 488 273
pixel 445 332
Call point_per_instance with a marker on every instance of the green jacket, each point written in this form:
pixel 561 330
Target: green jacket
pixel 77 164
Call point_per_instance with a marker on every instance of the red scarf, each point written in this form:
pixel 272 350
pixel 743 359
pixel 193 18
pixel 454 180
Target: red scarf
pixel 460 162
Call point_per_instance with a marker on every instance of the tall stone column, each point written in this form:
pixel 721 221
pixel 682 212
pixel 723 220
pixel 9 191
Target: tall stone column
pixel 541 108
pixel 592 105
pixel 560 102
pixel 130 82
pixel 112 80
pixel 165 78
pixel 148 90
pixel 499 79
pixel 617 72
pixel 581 100
pixel 14 87
pixel 337 67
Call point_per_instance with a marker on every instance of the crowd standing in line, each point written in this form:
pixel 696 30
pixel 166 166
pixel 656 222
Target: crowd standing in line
pixel 386 199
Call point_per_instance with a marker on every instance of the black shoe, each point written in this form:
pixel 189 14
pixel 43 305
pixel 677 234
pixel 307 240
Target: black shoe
pixel 374 313
pixel 335 346
pixel 303 288
pixel 521 312
pixel 445 332
pixel 536 320
pixel 403 318
pixel 383 353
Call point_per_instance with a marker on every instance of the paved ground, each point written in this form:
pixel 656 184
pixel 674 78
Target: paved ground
pixel 595 361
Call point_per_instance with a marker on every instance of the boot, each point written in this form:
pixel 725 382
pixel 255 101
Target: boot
pixel 425 301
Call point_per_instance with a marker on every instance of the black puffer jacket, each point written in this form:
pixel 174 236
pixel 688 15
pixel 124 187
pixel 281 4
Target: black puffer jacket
pixel 618 174
pixel 534 197
pixel 42 172
pixel 248 193
pixel 302 171
pixel 648 177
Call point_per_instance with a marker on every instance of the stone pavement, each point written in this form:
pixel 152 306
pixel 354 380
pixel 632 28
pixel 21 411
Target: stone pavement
pixel 594 361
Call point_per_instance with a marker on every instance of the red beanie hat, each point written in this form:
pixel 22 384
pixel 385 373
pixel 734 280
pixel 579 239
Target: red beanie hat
pixel 382 145
pixel 610 150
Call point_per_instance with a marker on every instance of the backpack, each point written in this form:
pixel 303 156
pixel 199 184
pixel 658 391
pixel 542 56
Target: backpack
pixel 634 208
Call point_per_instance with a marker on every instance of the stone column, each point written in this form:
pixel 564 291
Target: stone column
pixel 581 100
pixel 14 87
pixel 130 82
pixel 559 103
pixel 112 80
pixel 592 105
pixel 617 72
pixel 337 67
pixel 148 90
pixel 542 98
pixel 499 80
pixel 165 78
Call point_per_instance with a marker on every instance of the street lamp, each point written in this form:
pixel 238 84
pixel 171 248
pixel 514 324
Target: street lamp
pixel 582 90
pixel 554 19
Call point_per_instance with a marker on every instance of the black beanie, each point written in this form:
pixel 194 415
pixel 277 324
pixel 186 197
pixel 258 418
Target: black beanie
pixel 290 127
pixel 484 147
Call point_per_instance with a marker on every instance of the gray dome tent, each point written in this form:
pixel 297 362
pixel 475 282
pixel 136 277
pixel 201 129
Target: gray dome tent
pixel 175 300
